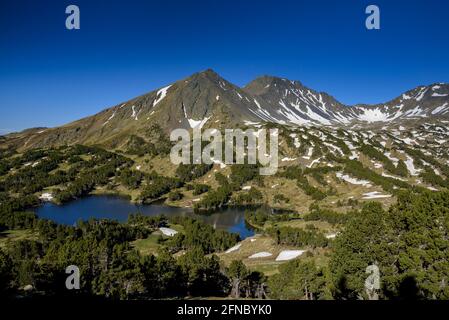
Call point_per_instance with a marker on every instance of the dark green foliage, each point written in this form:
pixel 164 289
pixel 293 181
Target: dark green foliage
pixel 291 172
pixel 109 266
pixel 5 166
pixel 6 274
pixel 298 280
pixel 418 158
pixel 401 169
pixel 319 172
pixel 189 172
pixel 151 222
pixel 429 176
pixel 158 186
pixel 370 151
pixel 310 190
pixel 342 145
pixel 199 188
pixel 242 173
pixel 280 198
pixel 332 217
pixel 256 218
pixel 409 244
pixel 295 172
pixel 175 195
pixel 253 196
pixel 298 237
pixel 215 199
pixel 260 216
pixel 221 179
pixel 356 169
pixel 245 283
pixel 158 144
pixel 201 235
pixel 203 274
pixel 88 180
pixel 130 178
pixel 12 215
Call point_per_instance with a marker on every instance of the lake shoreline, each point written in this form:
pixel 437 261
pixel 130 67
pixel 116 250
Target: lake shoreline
pixel 118 207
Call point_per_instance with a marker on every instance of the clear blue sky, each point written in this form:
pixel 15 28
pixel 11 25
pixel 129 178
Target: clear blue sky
pixel 50 76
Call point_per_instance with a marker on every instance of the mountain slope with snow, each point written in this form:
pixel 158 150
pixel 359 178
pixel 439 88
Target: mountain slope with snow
pixel 292 103
pixel 207 100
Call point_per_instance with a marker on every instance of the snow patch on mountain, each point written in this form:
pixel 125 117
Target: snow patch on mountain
pixel 375 195
pixel 373 115
pixel 134 115
pixel 421 94
pixel 440 109
pixel 197 123
pixel 416 112
pixel 109 119
pixel 351 180
pixel 161 94
pixel 411 166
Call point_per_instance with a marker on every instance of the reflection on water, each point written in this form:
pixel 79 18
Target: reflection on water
pixel 117 208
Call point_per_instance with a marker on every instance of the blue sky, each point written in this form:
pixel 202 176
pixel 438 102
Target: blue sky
pixel 50 76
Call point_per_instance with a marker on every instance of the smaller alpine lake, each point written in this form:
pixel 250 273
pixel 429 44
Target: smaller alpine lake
pixel 118 208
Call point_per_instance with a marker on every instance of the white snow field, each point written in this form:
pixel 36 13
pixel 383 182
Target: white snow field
pixel 263 254
pixel 168 231
pixel 351 180
pixel 289 254
pixel 234 248
pixel 46 196
pixel 161 95
pixel 375 195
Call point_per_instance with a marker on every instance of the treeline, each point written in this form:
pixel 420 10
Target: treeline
pixel 407 244
pixel 419 158
pixel 370 151
pixel 240 174
pixel 199 234
pixel 300 280
pixel 251 197
pixel 318 173
pixel 157 185
pixel 296 173
pixel 356 169
pixel 13 214
pixel 310 236
pixel 197 188
pixel 318 214
pixel 259 217
pixel 111 268
pixel 38 169
pixel 131 179
pixel 33 177
pixel 189 172
pixel 159 143
pixel 103 170
pixel 429 176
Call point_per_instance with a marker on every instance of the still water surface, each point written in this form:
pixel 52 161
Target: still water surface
pixel 118 208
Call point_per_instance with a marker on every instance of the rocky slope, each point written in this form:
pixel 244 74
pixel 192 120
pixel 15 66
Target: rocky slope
pixel 207 100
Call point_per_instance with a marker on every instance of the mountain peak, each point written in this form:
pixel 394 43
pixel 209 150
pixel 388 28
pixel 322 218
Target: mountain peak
pixel 205 76
pixel 205 98
pixel 266 83
pixel 269 79
pixel 209 73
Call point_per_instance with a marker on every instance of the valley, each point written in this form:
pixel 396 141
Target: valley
pixel 103 192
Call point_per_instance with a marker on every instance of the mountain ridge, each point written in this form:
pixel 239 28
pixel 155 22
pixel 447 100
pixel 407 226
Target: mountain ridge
pixel 205 99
